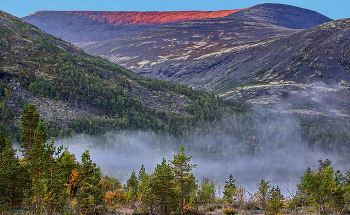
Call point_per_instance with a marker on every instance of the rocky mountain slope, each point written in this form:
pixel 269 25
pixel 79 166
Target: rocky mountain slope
pixel 68 84
pixel 266 59
pixel 267 54
pixel 175 52
pixel 84 27
pixel 307 72
pixel 316 55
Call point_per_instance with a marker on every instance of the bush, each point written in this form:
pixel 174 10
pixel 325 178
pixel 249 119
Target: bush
pixel 228 211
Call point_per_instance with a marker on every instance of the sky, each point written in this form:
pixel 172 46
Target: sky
pixel 334 9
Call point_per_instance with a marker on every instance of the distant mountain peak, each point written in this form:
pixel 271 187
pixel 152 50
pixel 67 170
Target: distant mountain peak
pixel 144 18
pixel 283 15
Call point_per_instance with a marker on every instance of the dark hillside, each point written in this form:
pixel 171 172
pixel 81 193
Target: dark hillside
pixel 73 89
pixel 177 51
pixel 283 15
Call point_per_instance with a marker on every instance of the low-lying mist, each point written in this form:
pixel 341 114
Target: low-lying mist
pixel 269 147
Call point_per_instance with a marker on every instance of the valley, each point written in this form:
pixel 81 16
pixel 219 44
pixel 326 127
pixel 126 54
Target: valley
pixel 255 95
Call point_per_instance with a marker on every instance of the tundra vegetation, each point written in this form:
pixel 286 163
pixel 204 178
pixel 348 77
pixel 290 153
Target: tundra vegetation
pixel 47 179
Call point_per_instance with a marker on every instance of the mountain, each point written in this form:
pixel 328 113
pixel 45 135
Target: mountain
pixel 261 55
pixel 77 92
pixel 316 55
pixel 174 52
pixel 85 27
pixel 311 66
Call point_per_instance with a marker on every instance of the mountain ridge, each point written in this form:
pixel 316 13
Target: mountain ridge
pixel 85 27
pixel 165 51
pixel 81 93
pixel 145 17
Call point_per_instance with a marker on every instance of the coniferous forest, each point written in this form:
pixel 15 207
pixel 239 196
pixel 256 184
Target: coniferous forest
pixel 41 178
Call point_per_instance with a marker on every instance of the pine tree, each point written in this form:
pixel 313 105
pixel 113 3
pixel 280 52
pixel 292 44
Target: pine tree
pixel 48 188
pixel 13 177
pixel 132 187
pixel 142 172
pixel 47 191
pixel 29 122
pixel 206 192
pixel 88 193
pixel 184 180
pixel 274 202
pixel 323 187
pixel 162 195
pixel 263 189
pixel 145 196
pixel 229 188
pixel 67 163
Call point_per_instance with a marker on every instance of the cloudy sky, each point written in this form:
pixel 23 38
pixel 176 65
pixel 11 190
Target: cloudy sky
pixel 335 9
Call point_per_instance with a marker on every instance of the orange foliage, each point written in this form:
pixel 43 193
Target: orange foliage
pixel 113 197
pixel 74 176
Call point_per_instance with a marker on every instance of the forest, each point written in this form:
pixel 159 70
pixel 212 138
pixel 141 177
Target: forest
pixel 42 178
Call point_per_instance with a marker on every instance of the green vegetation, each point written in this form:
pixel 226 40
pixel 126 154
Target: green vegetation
pixel 49 180
pixel 52 69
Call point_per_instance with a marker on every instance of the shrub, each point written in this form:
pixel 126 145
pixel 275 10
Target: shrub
pixel 228 211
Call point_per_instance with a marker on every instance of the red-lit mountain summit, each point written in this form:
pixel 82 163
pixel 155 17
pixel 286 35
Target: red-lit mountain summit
pixel 150 18
pixel 84 27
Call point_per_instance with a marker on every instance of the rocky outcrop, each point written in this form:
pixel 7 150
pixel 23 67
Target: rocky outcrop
pixel 50 110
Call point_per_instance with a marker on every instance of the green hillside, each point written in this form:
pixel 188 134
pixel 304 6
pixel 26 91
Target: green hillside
pixel 76 92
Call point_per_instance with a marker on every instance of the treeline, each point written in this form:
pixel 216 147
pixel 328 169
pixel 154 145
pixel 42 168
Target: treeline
pixel 49 180
pixel 236 135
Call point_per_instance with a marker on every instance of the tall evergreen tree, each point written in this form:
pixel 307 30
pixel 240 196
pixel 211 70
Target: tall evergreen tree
pixel 184 180
pixel 29 122
pixel 263 189
pixel 13 177
pixel 142 172
pixel 132 187
pixel 47 190
pixel 88 193
pixel 162 189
